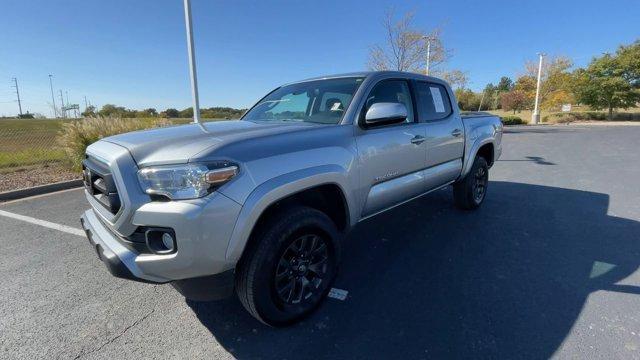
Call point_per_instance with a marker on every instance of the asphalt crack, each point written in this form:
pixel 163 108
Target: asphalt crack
pixel 110 341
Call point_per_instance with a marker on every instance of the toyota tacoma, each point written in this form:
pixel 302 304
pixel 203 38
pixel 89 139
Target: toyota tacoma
pixel 260 205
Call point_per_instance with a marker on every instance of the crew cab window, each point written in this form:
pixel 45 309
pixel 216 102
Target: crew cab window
pixel 319 101
pixel 433 101
pixel 393 91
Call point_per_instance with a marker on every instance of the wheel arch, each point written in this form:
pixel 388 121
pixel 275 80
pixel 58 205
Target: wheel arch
pixel 308 187
pixel 484 147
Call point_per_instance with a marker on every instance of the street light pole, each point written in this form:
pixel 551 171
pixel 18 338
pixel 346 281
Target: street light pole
pixel 428 52
pixel 192 62
pixel 481 100
pixel 535 117
pixel 53 99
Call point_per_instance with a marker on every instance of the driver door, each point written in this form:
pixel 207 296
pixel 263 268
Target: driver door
pixel 391 157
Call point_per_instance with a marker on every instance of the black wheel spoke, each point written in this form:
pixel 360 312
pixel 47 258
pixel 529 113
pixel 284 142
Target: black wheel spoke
pixel 314 244
pixel 480 184
pixel 287 290
pixel 319 250
pixel 318 268
pixel 302 269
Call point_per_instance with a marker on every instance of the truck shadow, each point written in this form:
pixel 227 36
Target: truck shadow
pixel 427 280
pixel 535 159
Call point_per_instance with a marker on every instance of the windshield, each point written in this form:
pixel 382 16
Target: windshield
pixel 320 101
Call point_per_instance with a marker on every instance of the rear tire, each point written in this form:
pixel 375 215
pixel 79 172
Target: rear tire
pixel 288 270
pixel 470 191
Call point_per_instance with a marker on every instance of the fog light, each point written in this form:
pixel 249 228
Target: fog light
pixel 161 240
pixel 167 241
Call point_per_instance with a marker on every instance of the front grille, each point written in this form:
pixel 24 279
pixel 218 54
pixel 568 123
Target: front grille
pixel 99 182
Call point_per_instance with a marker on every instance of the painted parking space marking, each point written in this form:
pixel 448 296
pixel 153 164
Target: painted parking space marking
pixel 43 223
pixel 338 294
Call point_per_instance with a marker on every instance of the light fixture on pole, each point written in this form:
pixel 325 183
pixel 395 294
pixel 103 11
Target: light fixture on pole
pixel 535 117
pixel 192 61
pixel 428 39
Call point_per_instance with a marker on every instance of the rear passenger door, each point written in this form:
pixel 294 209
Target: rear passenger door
pixel 444 133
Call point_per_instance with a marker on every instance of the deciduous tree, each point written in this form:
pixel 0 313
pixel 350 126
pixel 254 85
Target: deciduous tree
pixel 515 100
pixel 405 47
pixel 456 78
pixel 610 81
pixel 89 111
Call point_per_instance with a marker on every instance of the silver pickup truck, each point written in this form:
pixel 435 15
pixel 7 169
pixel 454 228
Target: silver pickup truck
pixel 261 204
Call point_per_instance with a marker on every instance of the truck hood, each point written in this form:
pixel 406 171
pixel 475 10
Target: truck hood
pixel 178 144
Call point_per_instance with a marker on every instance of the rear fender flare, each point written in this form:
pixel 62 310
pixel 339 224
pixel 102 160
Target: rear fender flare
pixel 470 155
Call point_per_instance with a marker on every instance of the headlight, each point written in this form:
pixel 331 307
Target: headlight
pixel 185 181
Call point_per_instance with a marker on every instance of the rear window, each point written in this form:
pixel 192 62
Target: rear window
pixel 433 101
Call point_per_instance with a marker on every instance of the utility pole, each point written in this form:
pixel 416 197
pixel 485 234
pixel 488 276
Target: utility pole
pixel 428 38
pixel 192 61
pixel 85 103
pixel 62 111
pixel 53 99
pixel 535 117
pixel 15 81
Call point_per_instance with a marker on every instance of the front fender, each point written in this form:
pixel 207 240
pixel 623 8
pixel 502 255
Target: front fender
pixel 279 188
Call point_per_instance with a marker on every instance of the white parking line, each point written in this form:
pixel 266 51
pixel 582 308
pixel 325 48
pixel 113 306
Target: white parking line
pixel 44 223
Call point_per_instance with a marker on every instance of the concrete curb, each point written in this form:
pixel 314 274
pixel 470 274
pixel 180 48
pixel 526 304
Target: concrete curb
pixel 39 190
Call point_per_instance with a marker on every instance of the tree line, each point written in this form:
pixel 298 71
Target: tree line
pixel 609 82
pixel 120 111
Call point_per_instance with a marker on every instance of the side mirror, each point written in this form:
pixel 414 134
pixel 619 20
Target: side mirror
pixel 385 113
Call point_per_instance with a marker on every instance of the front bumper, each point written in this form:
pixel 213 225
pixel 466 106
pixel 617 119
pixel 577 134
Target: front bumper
pixel 119 260
pixel 202 229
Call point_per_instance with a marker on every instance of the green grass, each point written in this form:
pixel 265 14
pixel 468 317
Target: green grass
pixel 16 135
pixel 25 142
pixel 28 142
pixel 30 157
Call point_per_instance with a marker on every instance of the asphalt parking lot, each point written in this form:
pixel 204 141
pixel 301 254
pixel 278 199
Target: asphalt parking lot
pixel 547 267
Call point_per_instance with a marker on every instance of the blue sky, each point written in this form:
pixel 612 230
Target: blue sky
pixel 133 53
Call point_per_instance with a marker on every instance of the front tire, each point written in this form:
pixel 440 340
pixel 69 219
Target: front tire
pixel 470 191
pixel 288 270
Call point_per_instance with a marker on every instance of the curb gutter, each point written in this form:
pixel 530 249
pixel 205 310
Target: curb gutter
pixel 39 190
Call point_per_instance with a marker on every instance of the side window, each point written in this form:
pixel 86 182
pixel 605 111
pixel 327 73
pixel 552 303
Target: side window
pixel 394 91
pixel 433 101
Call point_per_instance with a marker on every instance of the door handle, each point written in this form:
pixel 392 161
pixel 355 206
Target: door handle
pixel 456 132
pixel 418 140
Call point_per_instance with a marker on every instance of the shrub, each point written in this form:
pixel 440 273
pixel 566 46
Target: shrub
pixel 561 118
pixel 75 136
pixel 512 120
